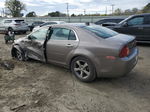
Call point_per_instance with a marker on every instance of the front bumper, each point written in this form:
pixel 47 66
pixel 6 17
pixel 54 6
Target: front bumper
pixel 119 66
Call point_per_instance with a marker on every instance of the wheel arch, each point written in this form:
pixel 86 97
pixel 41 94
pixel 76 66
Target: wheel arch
pixel 87 53
pixel 14 48
pixel 95 64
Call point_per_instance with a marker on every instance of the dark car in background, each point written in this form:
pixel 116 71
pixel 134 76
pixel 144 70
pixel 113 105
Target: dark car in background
pixel 109 21
pixel 34 24
pixel 137 25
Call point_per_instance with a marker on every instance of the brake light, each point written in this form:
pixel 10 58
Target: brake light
pixel 17 24
pixel 124 52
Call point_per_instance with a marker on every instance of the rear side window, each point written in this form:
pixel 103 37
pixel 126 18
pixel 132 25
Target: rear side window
pixel 72 35
pixel 7 21
pixel 100 31
pixel 62 34
pixel 136 21
pixel 147 20
pixel 19 21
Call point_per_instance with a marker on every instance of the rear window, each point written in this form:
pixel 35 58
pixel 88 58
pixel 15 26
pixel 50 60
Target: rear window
pixel 100 31
pixel 19 21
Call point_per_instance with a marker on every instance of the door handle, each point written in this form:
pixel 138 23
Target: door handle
pixel 69 45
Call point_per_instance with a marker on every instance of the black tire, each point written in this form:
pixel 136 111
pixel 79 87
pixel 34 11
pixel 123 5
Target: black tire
pixel 19 55
pixel 6 41
pixel 83 69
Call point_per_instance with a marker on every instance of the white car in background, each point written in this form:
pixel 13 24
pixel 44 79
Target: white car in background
pixel 48 23
pixel 17 25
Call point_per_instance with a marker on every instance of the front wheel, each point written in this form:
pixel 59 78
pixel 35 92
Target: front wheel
pixel 83 69
pixel 19 55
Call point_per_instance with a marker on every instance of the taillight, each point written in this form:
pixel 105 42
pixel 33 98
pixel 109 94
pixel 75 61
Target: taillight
pixel 124 52
pixel 17 24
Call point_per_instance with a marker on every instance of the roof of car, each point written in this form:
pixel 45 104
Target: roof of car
pixel 54 21
pixel 115 18
pixel 70 25
pixel 142 14
pixel 13 19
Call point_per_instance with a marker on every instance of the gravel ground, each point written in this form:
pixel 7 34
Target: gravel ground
pixel 37 87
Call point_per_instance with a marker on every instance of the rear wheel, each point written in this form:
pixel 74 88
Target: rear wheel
pixel 83 69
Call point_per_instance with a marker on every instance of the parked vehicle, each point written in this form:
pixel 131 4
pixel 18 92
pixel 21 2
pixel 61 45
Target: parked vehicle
pixel 109 21
pixel 137 25
pixel 48 23
pixel 17 25
pixel 34 24
pixel 89 51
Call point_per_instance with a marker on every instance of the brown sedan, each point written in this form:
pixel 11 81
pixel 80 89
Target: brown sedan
pixel 90 51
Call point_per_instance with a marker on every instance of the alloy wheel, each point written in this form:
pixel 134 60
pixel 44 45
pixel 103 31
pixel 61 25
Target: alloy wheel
pixel 19 55
pixel 81 68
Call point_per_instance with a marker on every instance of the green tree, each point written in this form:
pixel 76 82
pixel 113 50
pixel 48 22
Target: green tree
pixel 146 9
pixel 118 11
pixel 73 15
pixel 15 7
pixel 135 10
pixel 56 14
pixel 127 12
pixel 31 14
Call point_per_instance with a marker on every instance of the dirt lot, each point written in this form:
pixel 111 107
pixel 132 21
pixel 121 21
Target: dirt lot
pixel 37 87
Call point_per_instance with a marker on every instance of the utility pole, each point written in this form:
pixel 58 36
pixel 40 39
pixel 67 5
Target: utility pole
pixel 67 9
pixel 68 12
pixel 112 8
pixel 3 12
pixel 84 11
pixel 106 11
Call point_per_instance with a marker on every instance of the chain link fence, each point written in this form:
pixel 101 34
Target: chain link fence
pixel 78 19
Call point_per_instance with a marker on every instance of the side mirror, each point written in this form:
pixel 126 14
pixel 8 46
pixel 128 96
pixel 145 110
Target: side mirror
pixel 125 24
pixel 29 37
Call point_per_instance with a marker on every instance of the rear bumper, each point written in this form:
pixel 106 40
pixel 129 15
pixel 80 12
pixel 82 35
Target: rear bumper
pixel 119 66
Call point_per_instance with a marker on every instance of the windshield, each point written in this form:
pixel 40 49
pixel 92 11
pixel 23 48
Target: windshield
pixel 100 31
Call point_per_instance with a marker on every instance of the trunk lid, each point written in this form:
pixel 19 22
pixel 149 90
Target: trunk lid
pixel 119 41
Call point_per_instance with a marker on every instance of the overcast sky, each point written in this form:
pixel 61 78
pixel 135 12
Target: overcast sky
pixel 42 7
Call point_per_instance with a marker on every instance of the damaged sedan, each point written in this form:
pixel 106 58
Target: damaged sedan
pixel 89 51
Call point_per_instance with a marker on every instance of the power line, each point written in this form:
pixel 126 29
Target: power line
pixel 84 11
pixel 106 10
pixel 112 8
